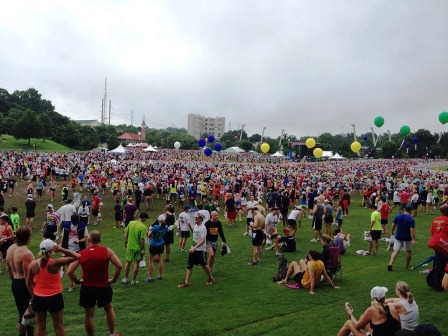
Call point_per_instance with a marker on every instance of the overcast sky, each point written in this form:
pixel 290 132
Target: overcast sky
pixel 304 66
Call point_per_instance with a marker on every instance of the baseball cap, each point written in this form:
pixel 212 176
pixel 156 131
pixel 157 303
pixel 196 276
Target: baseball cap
pixel 50 206
pixel 378 292
pixel 408 207
pixel 47 245
pixel 4 216
pixel 161 218
pixel 298 207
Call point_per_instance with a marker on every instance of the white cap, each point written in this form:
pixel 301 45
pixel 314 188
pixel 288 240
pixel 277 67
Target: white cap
pixel 47 245
pixel 161 218
pixel 378 292
pixel 50 206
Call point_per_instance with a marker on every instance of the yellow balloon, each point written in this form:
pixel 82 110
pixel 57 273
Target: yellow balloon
pixel 265 147
pixel 310 142
pixel 317 152
pixel 355 146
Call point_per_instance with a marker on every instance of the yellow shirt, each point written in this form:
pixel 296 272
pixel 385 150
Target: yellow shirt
pixel 318 267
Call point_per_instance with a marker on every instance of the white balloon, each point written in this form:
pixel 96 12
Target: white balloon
pixel 177 145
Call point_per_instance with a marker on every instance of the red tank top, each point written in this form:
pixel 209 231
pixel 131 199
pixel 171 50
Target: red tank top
pixel 47 284
pixel 94 261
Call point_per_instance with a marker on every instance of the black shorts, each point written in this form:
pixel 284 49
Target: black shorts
pixel 328 219
pixel 185 234
pixel 384 221
pixel 196 258
pixel 257 237
pixel 169 238
pixel 292 223
pixel 249 220
pixel 89 296
pixel 30 214
pixel 48 303
pixel 154 250
pixel 415 206
pixel 4 247
pixel 118 216
pixel 376 234
pixel 298 278
pixel 317 224
pixel 21 295
pixel 95 212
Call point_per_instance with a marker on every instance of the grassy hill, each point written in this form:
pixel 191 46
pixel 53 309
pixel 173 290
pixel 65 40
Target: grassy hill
pixel 10 143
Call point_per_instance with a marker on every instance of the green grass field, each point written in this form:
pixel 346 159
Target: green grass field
pixel 244 300
pixel 11 143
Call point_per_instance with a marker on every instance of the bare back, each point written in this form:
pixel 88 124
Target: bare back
pixel 258 222
pixel 18 260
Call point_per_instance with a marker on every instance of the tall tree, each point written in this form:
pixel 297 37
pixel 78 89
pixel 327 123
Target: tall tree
pixel 27 126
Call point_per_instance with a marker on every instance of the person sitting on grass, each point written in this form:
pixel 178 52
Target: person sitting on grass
pixel 405 305
pixel 380 318
pixel 307 272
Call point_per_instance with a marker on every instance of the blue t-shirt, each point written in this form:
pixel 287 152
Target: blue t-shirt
pixel 404 223
pixel 158 232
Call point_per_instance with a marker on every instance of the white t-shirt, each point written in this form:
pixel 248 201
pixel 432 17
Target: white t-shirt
pixel 250 205
pixel 271 223
pixel 65 212
pixel 73 236
pixel 200 231
pixel 294 214
pixel 184 221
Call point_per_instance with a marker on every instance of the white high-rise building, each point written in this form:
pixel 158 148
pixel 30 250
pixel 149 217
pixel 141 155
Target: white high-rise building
pixel 199 125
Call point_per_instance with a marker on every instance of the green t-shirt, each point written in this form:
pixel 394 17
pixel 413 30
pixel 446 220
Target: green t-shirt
pixel 15 219
pixel 375 217
pixel 136 231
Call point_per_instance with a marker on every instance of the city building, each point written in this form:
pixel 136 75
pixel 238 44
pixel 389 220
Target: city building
pixel 199 125
pixel 134 138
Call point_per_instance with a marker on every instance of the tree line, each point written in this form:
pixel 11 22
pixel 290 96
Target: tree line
pixel 25 115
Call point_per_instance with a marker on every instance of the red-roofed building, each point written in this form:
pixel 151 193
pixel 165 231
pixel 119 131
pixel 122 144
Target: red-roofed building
pixel 134 138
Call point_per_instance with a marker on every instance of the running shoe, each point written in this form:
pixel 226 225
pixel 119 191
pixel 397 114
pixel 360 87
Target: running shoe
pixel 134 282
pixel 183 284
pixel 124 281
pixel 148 279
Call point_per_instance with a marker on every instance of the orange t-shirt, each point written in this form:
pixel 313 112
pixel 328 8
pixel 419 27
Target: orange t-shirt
pixel 47 284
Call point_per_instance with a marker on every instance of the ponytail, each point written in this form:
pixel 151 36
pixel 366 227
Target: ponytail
pixel 44 259
pixel 379 305
pixel 404 290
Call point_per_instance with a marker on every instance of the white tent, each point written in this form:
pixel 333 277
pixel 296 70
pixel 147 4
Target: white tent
pixel 130 145
pixel 119 150
pixel 150 149
pixel 336 157
pixel 327 154
pixel 234 150
pixel 277 154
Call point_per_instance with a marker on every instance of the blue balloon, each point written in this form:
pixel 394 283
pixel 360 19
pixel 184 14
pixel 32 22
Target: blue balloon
pixel 365 137
pixel 218 146
pixel 201 142
pixel 208 151
pixel 407 144
pixel 415 139
pixel 211 138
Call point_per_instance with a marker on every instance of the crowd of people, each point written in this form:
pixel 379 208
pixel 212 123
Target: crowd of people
pixel 267 194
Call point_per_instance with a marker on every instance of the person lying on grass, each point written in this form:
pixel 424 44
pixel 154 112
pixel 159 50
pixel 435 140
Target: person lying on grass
pixel 307 272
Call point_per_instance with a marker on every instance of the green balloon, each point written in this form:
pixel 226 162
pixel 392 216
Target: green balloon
pixel 443 117
pixel 379 121
pixel 405 130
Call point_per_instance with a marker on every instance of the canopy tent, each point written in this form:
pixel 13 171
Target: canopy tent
pixel 141 145
pixel 119 150
pixel 234 150
pixel 336 157
pixel 277 154
pixel 327 154
pixel 130 145
pixel 150 149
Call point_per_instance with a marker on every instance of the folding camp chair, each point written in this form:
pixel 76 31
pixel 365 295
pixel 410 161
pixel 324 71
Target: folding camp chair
pixel 334 268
